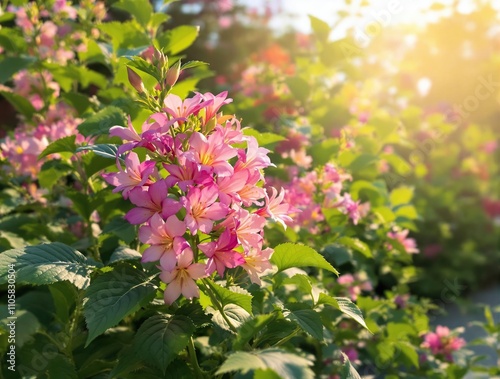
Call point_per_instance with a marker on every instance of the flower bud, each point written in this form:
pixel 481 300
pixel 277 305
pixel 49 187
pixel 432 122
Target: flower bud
pixel 135 80
pixel 173 74
pixel 159 59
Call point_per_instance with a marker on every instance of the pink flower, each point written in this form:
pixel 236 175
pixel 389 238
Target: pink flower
pixel 215 103
pixel 212 153
pixel 136 174
pixel 256 262
pixel 201 208
pixel 186 173
pixel 408 243
pixel 221 253
pixel 181 279
pixel 276 208
pixel 247 226
pixel 442 342
pixel 254 158
pixel 251 193
pixel 355 284
pixel 166 240
pixel 354 209
pixel 229 186
pixel 151 200
pixel 177 108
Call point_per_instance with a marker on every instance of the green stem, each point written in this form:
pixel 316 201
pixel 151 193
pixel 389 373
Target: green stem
pixel 194 360
pixel 217 304
pixel 287 338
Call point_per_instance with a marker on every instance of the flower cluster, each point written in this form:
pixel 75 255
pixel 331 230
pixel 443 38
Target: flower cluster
pixel 199 193
pixel 317 190
pixel 58 121
pixel 442 342
pixel 55 39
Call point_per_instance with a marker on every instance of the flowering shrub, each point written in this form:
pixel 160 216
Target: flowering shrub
pixel 154 233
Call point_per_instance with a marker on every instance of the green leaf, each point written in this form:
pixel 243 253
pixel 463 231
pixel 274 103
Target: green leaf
pixel 320 28
pixel 27 325
pixel 113 296
pixel 299 87
pixel 344 305
pixel 78 101
pixel 264 138
pixel 289 255
pixel 125 35
pixel 9 66
pixel 250 328
pixel 20 103
pixel 348 372
pixel 237 316
pixel 407 211
pixel 193 64
pixel 105 150
pixel 178 39
pixel 101 122
pixel 144 66
pixel 161 338
pixel 46 264
pixel 61 367
pixel 52 171
pixel 357 245
pixel 121 228
pixel 65 144
pixel 401 195
pixel 308 320
pixel 283 363
pixel 233 295
pixel 64 297
pixel 140 9
pixel 124 253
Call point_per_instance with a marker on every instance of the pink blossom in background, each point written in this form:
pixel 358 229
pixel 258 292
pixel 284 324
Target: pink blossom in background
pixel 355 284
pixel 443 342
pixel 409 244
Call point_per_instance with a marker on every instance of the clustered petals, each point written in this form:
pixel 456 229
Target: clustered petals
pixel 199 194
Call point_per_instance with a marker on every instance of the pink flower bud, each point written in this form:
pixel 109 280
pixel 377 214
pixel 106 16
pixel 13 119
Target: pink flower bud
pixel 173 74
pixel 135 80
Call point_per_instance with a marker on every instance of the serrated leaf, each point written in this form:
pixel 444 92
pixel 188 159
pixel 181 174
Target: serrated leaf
pixel 65 144
pixel 114 295
pixel 161 338
pixel 283 363
pixel 101 122
pixel 228 296
pixel 357 245
pixel 344 305
pixel 250 328
pixel 308 320
pixel 46 264
pixel 106 150
pixel 348 371
pixel 289 255
pixel 124 253
pixel 237 316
